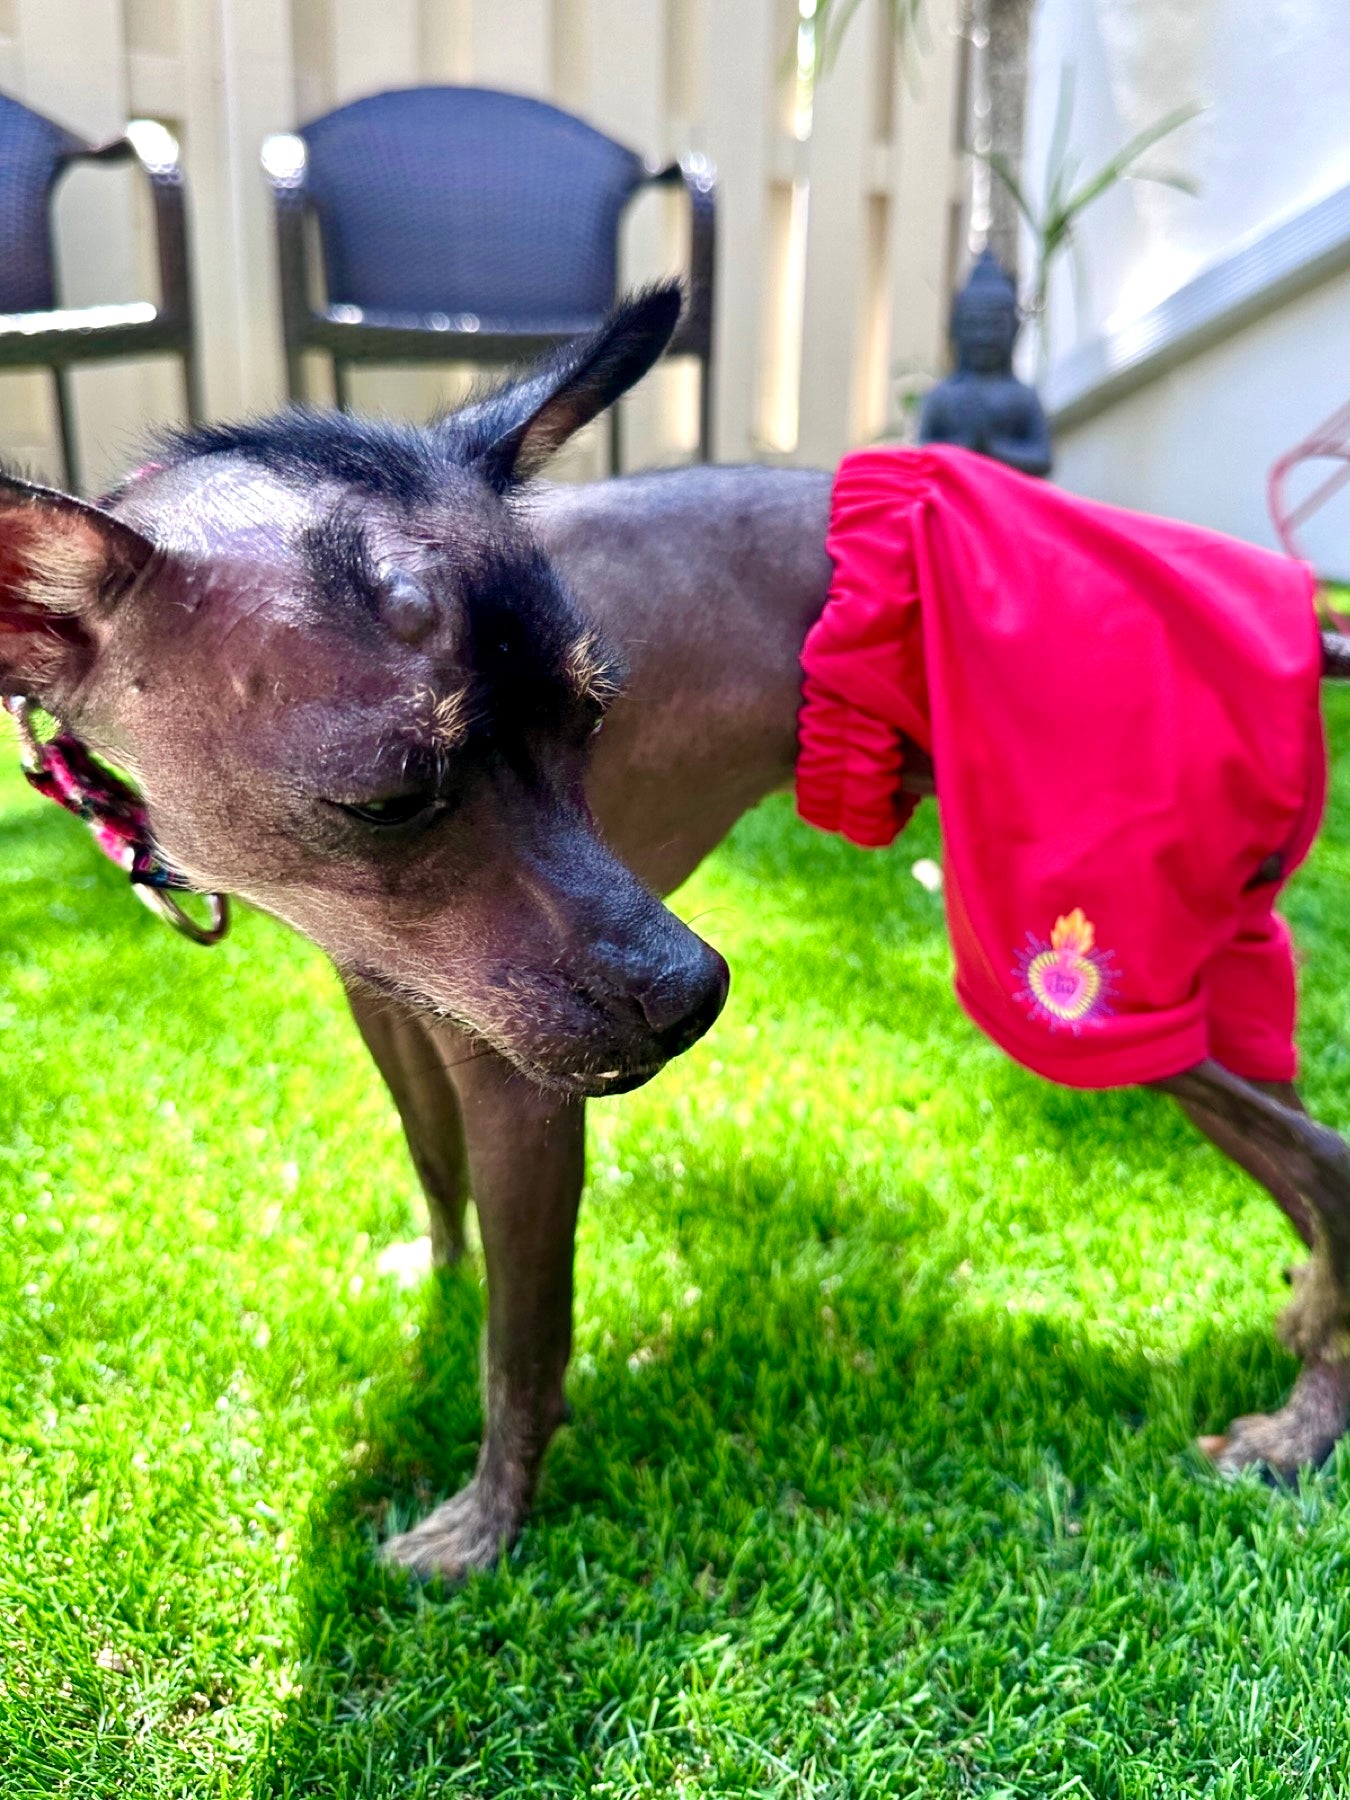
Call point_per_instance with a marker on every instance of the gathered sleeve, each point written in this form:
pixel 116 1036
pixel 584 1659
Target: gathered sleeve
pixel 863 682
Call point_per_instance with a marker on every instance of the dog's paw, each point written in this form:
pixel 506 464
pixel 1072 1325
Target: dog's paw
pixel 469 1531
pixel 1301 1435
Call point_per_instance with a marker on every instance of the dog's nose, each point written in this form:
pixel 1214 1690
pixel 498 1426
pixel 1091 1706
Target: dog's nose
pixel 682 1002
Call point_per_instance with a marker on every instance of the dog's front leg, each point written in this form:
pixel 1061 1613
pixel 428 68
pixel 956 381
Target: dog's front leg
pixel 409 1054
pixel 1306 1166
pixel 526 1159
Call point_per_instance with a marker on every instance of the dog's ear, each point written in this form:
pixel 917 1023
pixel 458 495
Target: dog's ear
pixel 63 566
pixel 510 435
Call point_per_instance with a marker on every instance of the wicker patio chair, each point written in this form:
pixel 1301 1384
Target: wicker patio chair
pixel 35 330
pixel 458 224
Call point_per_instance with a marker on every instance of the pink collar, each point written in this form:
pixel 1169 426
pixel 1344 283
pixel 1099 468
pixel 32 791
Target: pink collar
pixel 65 771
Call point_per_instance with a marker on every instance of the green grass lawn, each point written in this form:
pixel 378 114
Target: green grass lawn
pixel 888 1361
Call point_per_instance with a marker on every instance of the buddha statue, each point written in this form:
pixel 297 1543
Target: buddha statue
pixel 982 405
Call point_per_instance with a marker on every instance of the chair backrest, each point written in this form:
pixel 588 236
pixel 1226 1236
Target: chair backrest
pixel 33 151
pixel 463 200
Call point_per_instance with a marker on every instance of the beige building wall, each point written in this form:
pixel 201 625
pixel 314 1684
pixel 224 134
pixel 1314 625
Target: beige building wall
pixel 837 220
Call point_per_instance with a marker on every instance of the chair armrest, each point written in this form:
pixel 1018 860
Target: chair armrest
pixel 155 151
pixel 698 177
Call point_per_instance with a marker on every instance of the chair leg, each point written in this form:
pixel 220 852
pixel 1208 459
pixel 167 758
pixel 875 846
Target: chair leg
pixel 192 386
pixel 65 421
pixel 296 391
pixel 342 392
pixel 705 399
pixel 615 440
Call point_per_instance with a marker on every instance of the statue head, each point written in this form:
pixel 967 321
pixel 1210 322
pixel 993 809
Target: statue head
pixel 984 320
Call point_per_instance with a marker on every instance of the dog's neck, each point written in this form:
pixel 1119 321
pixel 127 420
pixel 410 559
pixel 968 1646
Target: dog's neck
pixel 708 579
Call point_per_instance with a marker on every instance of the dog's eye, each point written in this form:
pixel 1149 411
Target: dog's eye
pixel 590 715
pixel 395 809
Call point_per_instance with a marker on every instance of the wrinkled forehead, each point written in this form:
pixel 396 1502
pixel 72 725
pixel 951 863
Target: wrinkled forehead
pixel 217 505
pixel 237 531
pixel 264 570
pixel 228 506
pixel 285 590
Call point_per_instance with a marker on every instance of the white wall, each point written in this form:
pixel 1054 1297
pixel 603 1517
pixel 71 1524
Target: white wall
pixel 1197 443
pixel 1274 75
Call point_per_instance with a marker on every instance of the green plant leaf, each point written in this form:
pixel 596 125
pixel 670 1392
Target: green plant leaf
pixel 1059 139
pixel 1052 223
pixel 832 19
pixel 1001 167
pixel 1184 184
pixel 1120 166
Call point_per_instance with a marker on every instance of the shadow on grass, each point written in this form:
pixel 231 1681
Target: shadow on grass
pixel 891 1415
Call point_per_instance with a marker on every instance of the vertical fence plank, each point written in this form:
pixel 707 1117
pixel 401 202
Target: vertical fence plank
pixel 10 67
pixel 312 57
pixel 256 40
pixel 445 53
pixel 925 198
pixel 875 407
pixel 836 237
pixel 511 45
pixel 626 78
pixel 740 90
pixel 240 84
pixel 374 47
pixel 687 45
pixel 568 68
pixel 625 96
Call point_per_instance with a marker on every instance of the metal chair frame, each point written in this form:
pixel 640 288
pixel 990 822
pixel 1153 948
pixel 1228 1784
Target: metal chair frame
pixel 59 338
pixel 1330 442
pixel 349 334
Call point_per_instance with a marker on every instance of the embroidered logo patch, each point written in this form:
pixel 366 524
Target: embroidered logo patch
pixel 1067 981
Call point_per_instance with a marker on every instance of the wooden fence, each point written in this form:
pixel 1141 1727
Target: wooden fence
pixel 841 209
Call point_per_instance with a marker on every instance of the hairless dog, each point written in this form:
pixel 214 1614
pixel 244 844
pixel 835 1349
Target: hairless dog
pixel 460 731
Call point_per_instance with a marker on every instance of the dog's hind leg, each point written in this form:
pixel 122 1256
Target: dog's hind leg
pixel 1261 1163
pixel 1306 1167
pixel 526 1159
pixel 408 1055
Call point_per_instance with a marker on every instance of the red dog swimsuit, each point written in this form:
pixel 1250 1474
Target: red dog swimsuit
pixel 1124 717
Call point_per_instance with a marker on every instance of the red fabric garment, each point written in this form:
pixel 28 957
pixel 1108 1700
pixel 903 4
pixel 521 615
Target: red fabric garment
pixel 1124 717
